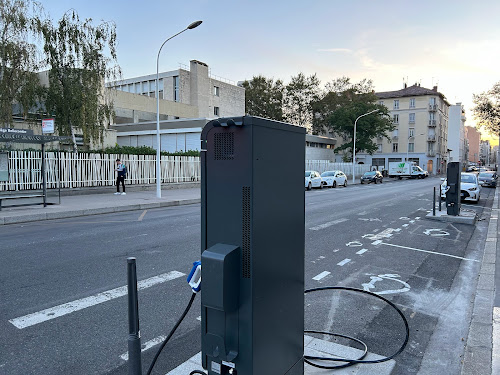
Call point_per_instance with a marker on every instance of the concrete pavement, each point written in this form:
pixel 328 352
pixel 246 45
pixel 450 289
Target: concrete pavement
pixel 102 202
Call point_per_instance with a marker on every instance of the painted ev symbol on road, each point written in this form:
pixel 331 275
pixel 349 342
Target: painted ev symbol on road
pixel 393 277
pixel 436 232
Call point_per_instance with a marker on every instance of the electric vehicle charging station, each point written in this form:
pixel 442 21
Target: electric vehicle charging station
pixel 453 192
pixel 252 244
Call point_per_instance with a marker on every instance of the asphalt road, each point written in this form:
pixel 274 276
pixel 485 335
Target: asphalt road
pixel 63 311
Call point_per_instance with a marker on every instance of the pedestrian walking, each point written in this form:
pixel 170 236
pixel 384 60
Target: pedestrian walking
pixel 121 174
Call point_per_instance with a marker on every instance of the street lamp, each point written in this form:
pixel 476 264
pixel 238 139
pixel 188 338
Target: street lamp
pixel 354 143
pixel 158 175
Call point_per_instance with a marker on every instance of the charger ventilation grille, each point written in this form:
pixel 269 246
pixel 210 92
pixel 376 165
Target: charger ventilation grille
pixel 224 146
pixel 246 232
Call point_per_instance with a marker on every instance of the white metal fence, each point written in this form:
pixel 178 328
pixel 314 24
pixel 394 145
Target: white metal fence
pixel 325 165
pixel 86 169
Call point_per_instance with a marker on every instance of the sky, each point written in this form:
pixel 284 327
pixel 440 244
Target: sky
pixel 452 44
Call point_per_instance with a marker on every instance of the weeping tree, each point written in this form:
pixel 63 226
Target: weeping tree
pixel 487 109
pixel 19 83
pixel 81 57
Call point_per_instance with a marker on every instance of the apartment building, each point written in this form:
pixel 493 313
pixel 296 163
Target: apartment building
pixel 485 152
pixel 474 138
pixel 421 134
pixel 457 141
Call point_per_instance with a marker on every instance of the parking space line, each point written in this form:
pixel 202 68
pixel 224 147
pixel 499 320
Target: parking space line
pixel 147 345
pixel 344 262
pixel 73 306
pixel 321 275
pixel 362 251
pixel 427 251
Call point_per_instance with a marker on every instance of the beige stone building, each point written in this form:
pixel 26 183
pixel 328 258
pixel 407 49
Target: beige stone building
pixel 421 135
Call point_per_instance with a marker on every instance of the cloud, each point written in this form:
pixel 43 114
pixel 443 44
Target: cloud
pixel 345 50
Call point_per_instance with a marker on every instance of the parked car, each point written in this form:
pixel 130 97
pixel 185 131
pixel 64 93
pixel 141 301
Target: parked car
pixel 484 169
pixel 470 189
pixel 471 168
pixel 488 179
pixel 372 176
pixel 334 178
pixel 313 180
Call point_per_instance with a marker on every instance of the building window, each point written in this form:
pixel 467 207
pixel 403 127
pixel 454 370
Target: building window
pixel 412 102
pixel 411 132
pixel 379 147
pixel 216 91
pixel 394 147
pixel 412 118
pixel 411 147
pixel 432 101
pixel 395 119
pixel 396 104
pixel 216 111
pixel 176 89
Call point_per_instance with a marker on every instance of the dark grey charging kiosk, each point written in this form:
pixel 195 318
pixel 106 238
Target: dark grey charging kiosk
pixel 252 243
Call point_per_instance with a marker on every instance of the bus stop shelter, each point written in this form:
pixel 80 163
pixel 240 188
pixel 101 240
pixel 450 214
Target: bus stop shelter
pixel 27 136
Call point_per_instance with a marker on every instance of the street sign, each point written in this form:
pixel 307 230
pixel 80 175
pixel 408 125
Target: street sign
pixel 48 126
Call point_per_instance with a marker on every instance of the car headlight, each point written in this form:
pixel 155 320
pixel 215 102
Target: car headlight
pixel 473 188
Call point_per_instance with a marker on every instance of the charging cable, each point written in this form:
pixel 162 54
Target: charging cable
pixel 194 281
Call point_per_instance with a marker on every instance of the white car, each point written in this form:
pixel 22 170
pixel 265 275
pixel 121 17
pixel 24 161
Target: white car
pixel 469 187
pixel 313 180
pixel 334 178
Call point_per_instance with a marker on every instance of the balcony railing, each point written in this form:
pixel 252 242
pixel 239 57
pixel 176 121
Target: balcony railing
pixel 431 153
pixel 433 107
pixel 431 138
pixel 432 123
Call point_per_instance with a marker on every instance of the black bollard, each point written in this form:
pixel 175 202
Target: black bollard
pixel 434 202
pixel 440 200
pixel 134 334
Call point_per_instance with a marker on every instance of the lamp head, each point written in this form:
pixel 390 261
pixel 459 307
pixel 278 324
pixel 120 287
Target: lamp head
pixel 194 24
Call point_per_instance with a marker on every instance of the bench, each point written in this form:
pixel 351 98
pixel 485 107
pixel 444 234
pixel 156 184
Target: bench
pixel 2 197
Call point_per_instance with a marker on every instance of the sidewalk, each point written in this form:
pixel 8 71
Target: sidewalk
pixel 482 348
pixel 94 204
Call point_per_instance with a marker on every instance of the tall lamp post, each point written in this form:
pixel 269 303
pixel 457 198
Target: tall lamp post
pixel 158 171
pixel 354 143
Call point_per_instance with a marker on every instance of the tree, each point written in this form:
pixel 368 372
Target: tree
pixel 340 105
pixel 299 94
pixel 80 57
pixel 264 97
pixel 19 83
pixel 487 109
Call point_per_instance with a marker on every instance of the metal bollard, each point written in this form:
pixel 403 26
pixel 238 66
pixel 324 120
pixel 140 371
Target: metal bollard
pixel 440 200
pixel 134 334
pixel 434 202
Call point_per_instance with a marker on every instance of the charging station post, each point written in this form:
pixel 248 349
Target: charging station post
pixel 134 334
pixel 252 300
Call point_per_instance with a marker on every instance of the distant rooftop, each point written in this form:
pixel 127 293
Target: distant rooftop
pixel 415 90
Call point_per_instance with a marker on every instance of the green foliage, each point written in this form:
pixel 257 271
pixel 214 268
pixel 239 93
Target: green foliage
pixel 299 94
pixel 340 105
pixel 19 84
pixel 80 57
pixel 264 98
pixel 142 150
pixel 487 109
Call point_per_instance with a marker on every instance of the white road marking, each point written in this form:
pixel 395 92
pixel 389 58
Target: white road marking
pixel 427 251
pixel 377 242
pixel 199 318
pixel 394 277
pixel 386 233
pixel 362 251
pixel 404 218
pixel 436 232
pixel 321 275
pixel 142 215
pixel 344 262
pixel 70 307
pixel 370 219
pixel 417 218
pixel 329 224
pixel 354 244
pixel 147 345
pixel 405 225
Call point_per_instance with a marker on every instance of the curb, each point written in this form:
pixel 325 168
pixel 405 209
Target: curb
pixel 93 211
pixel 479 346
